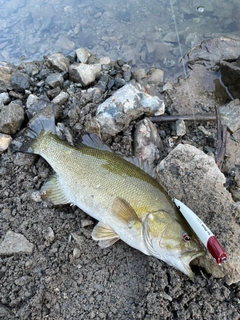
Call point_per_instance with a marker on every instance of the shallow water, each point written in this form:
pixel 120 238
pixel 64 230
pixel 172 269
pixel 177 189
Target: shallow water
pixel 142 32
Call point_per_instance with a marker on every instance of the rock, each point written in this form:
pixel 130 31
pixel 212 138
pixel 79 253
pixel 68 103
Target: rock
pixel 6 71
pixel 180 128
pixel 61 98
pixel 230 76
pixel 167 86
pixel 125 105
pixel 155 75
pixel 58 62
pixel 210 52
pixel 230 115
pixel 83 54
pixel 4 98
pixel 63 42
pixel 171 37
pixel 55 80
pixel 20 82
pixel 15 243
pixel 53 93
pixel 104 60
pixel 147 142
pixel 35 104
pixel 232 159
pixel 5 140
pixel 84 73
pixel 200 185
pixel 11 118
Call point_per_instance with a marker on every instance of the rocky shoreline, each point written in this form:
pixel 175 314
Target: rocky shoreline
pixel 50 266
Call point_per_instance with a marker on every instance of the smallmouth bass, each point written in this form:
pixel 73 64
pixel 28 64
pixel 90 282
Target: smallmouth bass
pixel 128 203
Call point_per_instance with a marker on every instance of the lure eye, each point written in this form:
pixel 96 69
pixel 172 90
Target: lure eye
pixel 186 237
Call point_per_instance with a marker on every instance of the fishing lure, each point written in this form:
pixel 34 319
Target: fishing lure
pixel 203 232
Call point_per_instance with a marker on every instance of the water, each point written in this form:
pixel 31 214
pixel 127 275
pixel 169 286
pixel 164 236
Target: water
pixel 140 31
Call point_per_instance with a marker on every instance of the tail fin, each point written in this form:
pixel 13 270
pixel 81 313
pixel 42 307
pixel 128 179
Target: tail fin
pixel 38 126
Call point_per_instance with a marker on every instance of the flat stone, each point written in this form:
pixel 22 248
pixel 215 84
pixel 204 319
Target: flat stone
pixel 55 80
pixel 14 243
pixel 230 115
pixel 84 73
pixel 199 184
pixel 126 104
pixel 11 118
pixel 58 62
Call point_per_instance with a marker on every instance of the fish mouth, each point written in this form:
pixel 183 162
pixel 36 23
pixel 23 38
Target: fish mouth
pixel 187 258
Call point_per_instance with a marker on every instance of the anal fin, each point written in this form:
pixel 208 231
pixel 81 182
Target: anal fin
pixel 52 190
pixel 105 236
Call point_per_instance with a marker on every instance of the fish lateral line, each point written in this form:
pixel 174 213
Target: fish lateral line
pixel 205 235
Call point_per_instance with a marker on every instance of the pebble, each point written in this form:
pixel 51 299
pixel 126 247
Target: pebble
pixel 20 82
pixel 61 98
pixel 147 141
pixel 230 115
pixel 55 80
pixel 14 243
pixel 58 62
pixel 84 73
pixel 11 117
pixel 4 98
pixel 5 140
pixel 180 128
pixel 83 54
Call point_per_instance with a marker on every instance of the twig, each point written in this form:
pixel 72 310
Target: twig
pixel 221 140
pixel 187 117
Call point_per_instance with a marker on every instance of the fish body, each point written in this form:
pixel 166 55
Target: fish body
pixel 128 203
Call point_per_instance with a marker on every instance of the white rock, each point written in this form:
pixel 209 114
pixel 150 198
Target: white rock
pixel 83 54
pixel 84 73
pixel 125 105
pixel 5 140
pixel 61 98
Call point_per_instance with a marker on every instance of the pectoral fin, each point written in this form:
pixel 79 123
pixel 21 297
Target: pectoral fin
pixel 104 235
pixel 52 190
pixel 123 210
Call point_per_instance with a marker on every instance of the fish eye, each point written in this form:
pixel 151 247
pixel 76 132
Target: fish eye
pixel 186 237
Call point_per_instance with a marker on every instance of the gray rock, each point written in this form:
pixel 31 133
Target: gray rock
pixel 58 62
pixel 55 80
pixel 230 75
pixel 20 81
pixel 125 105
pixel 147 142
pixel 4 98
pixel 230 115
pixel 11 118
pixel 61 98
pixel 180 128
pixel 15 243
pixel 210 52
pixel 35 104
pixel 6 71
pixel 84 73
pixel 200 185
pixel 83 54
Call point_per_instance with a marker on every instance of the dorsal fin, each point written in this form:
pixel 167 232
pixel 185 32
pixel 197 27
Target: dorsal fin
pixel 143 165
pixel 93 141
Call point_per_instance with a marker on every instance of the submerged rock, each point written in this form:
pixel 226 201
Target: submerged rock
pixel 200 185
pixel 125 105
